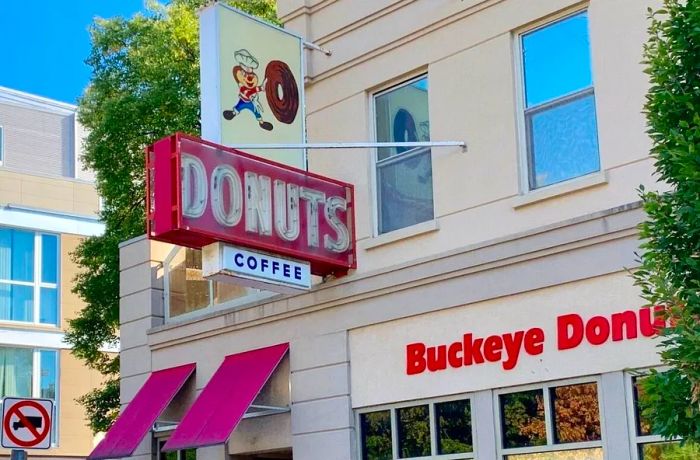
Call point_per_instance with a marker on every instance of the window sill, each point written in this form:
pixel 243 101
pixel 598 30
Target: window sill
pixel 563 188
pixel 400 234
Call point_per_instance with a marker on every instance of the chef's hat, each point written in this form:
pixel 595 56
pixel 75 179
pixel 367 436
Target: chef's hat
pixel 246 60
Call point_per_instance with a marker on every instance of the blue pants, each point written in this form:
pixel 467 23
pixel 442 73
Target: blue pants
pixel 243 105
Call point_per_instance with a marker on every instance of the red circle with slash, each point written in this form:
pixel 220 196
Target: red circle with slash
pixel 38 435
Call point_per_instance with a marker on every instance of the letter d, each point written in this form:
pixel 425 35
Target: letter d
pixel 415 358
pixel 569 331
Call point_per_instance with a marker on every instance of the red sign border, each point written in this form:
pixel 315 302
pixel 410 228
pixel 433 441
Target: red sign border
pixel 15 408
pixel 164 215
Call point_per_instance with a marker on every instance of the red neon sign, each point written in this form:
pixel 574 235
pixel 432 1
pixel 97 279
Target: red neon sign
pixel 201 193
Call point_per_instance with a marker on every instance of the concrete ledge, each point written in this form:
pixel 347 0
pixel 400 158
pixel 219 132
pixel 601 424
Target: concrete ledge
pixel 561 189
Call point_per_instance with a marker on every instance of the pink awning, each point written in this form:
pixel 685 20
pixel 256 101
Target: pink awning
pixel 226 398
pixel 141 413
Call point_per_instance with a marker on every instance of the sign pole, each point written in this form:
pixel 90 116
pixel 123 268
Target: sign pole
pixel 18 454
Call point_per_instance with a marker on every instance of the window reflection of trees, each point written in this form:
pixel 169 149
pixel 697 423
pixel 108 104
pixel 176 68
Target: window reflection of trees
pixel 376 435
pixel 454 424
pixel 576 413
pixel 523 419
pixel 414 431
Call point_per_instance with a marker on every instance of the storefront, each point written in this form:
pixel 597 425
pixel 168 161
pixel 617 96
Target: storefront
pixel 488 311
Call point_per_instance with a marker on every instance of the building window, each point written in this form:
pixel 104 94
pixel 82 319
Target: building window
pixel 651 446
pixel 404 176
pixel 430 430
pixel 28 276
pixel 186 454
pixel 2 144
pixel 30 373
pixel 542 422
pixel 188 293
pixel 560 118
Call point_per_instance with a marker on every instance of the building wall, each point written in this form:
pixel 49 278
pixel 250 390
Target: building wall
pixel 39 193
pixel 467 50
pixel 495 250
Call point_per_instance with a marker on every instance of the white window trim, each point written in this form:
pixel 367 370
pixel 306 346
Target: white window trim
pixel 520 107
pixel 392 408
pixel 374 188
pixel 549 418
pixel 36 385
pixel 37 284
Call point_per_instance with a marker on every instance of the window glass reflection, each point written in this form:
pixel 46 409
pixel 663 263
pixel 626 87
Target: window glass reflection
pixel 188 291
pixel 404 175
pixel 375 429
pixel 564 141
pixel 414 431
pixel 16 366
pixel 669 451
pixel 522 418
pixel 577 454
pixel 454 425
pixel 576 413
pixel 557 59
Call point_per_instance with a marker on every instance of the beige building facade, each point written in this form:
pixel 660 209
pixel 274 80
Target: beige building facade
pixel 47 205
pixel 492 314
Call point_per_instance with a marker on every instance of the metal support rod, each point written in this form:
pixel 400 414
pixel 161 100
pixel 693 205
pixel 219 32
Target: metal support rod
pixel 314 46
pixel 353 145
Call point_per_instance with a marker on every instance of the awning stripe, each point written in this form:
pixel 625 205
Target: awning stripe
pixel 226 398
pixel 134 422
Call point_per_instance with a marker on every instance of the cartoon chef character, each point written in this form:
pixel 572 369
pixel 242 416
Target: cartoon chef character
pixel 248 88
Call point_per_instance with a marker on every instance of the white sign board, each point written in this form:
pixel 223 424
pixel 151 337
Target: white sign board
pixel 252 79
pixel 584 328
pixel 26 423
pixel 223 262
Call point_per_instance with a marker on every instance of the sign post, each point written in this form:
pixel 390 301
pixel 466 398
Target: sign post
pixel 26 423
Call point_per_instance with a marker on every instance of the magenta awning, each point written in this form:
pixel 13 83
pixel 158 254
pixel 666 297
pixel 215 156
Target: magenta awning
pixel 226 398
pixel 141 413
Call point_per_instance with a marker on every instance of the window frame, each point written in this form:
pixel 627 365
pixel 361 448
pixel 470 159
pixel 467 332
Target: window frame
pixel 376 163
pixel 525 139
pixel 550 446
pixel 38 284
pixel 36 385
pixel 432 422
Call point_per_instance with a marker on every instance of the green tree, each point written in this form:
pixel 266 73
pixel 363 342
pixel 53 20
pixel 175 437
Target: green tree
pixel 670 262
pixel 144 86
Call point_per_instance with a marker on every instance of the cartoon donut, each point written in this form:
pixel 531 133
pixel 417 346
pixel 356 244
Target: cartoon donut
pixel 281 91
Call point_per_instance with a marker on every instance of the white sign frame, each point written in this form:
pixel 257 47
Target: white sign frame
pixel 256 269
pixel 15 417
pixel 210 46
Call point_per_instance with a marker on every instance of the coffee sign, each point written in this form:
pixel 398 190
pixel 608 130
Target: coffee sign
pixel 202 193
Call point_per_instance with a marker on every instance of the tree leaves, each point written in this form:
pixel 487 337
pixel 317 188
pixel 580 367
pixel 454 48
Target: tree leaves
pixel 670 263
pixel 144 86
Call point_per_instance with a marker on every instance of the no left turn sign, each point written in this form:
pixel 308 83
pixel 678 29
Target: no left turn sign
pixel 26 423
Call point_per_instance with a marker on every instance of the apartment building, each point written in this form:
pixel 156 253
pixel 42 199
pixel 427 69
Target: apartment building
pixel 47 205
pixel 491 314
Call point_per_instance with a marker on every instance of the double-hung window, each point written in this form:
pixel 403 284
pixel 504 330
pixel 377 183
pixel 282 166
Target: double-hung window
pixel 560 117
pixel 28 276
pixel 404 175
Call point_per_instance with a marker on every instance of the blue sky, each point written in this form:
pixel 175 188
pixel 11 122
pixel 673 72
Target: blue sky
pixel 44 44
